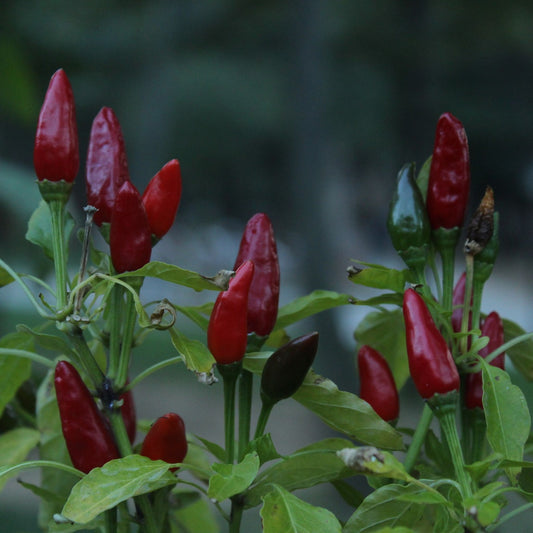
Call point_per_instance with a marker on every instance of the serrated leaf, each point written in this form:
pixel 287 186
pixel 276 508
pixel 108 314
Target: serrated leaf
pixel 196 355
pixel 284 512
pixel 174 274
pixel 521 354
pixel 385 332
pixel 15 446
pixel 507 415
pixel 380 277
pixel 231 479
pixel 117 481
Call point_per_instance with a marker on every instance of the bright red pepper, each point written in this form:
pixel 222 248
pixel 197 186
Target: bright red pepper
pixel 161 198
pixel 259 245
pixel 56 153
pixel 227 333
pixel 430 361
pixel 492 328
pixel 166 440
pixel 89 440
pixel 107 166
pixel 377 383
pixel 449 175
pixel 130 239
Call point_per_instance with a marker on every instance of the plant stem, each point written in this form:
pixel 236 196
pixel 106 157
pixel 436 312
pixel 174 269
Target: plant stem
pixel 110 520
pixel 116 312
pixel 236 516
pixel 266 409
pixel 418 438
pixel 245 409
pixel 229 374
pixel 57 213
pixel 466 305
pixel 448 267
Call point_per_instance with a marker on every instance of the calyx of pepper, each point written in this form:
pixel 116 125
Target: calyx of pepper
pixel 442 404
pixel 52 191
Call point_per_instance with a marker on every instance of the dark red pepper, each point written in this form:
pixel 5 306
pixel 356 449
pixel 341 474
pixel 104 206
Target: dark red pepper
pixel 227 332
pixel 107 166
pixel 449 175
pixel 89 440
pixel 492 328
pixel 430 361
pixel 130 239
pixel 166 440
pixel 377 383
pixel 259 245
pixel 161 198
pixel 56 153
pixel 129 415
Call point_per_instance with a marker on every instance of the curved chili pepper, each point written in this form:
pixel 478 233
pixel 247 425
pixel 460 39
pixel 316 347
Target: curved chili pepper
pixel 449 175
pixel 89 440
pixel 166 440
pixel 129 238
pixel 377 383
pixel 408 223
pixel 492 328
pixel 107 166
pixel 430 361
pixel 227 330
pixel 56 152
pixel 259 245
pixel 285 370
pixel 161 198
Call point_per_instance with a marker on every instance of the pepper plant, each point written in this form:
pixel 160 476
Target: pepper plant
pixel 101 470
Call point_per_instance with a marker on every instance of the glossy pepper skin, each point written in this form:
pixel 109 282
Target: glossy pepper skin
pixel 449 175
pixel 56 151
pixel 285 370
pixel 492 328
pixel 166 440
pixel 129 238
pixel 377 383
pixel 227 333
pixel 408 223
pixel 430 361
pixel 259 245
pixel 161 198
pixel 89 440
pixel 107 165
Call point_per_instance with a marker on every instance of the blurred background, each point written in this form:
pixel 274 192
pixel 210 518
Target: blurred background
pixel 305 110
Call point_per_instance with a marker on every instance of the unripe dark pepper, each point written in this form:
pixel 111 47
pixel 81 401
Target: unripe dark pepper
pixel 430 361
pixel 90 443
pixel 377 383
pixel 449 176
pixel 259 245
pixel 285 370
pixel 107 166
pixel 227 332
pixel 56 152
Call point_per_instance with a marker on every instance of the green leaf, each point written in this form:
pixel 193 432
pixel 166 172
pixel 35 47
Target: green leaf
pixel 347 413
pixel 264 447
pixel 40 229
pixel 117 481
pixel 231 479
pixel 174 274
pixel 255 361
pixel 310 466
pixel 385 332
pixel 15 446
pixel 198 314
pixel 196 355
pixel 5 277
pixel 54 343
pixel 422 180
pixel 195 518
pixel 521 354
pixel 507 415
pixel 14 371
pixel 309 305
pixel 348 493
pixel 380 277
pixel 213 448
pixel 284 512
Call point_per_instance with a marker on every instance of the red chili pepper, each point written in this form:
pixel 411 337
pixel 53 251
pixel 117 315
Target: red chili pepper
pixel 129 415
pixel 449 175
pixel 492 328
pixel 89 440
pixel 107 166
pixel 161 198
pixel 227 331
pixel 259 245
pixel 166 440
pixel 377 383
pixel 56 154
pixel 129 238
pixel 430 361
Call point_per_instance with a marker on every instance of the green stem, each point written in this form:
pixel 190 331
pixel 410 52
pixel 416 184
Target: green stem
pixel 236 515
pixel 418 438
pixel 245 409
pixel 57 213
pixel 116 310
pixel 28 355
pixel 266 409
pixel 229 374
pixel 110 520
pixel 466 304
pixel 154 368
pixel 478 428
pixel 448 267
